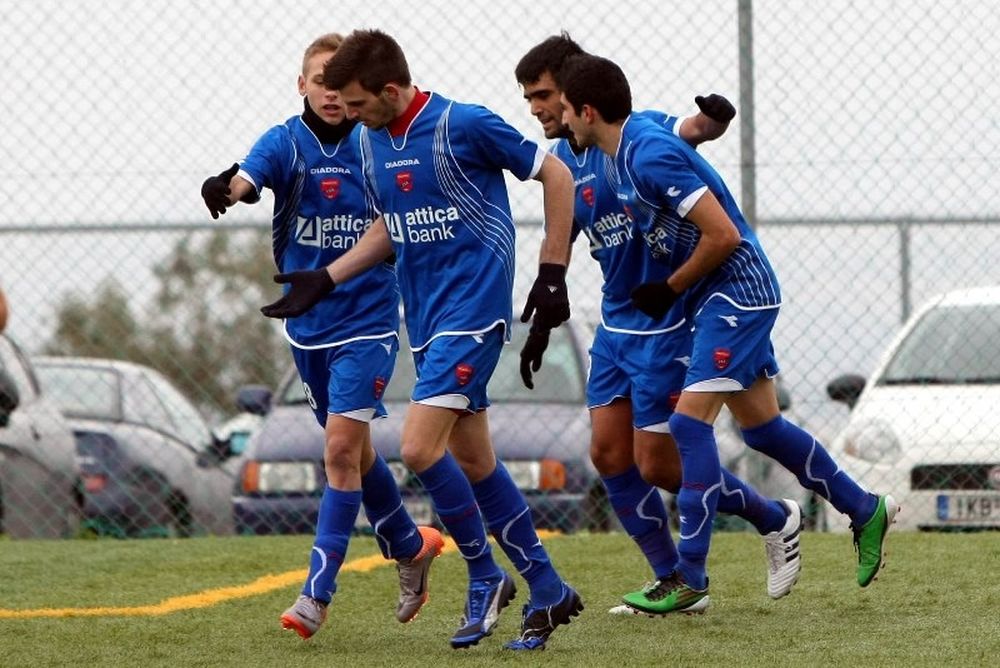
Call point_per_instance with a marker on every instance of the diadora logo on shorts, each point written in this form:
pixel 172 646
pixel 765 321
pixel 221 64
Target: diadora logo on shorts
pixel 463 373
pixel 722 357
pixel 588 195
pixel 422 225
pixel 330 188
pixel 673 191
pixel 336 232
pixel 404 181
pixel 379 386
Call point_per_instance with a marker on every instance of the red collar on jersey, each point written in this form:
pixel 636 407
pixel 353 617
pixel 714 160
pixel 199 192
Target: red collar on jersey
pixel 399 125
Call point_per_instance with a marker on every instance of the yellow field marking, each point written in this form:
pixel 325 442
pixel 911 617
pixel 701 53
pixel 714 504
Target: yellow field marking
pixel 210 597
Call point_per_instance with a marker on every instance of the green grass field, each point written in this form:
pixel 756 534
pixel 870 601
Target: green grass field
pixel 937 603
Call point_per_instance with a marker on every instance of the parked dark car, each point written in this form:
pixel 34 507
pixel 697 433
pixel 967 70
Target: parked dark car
pixel 149 464
pixel 542 435
pixel 39 483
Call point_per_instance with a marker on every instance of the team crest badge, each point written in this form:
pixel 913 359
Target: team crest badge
pixel 330 188
pixel 722 356
pixel 379 386
pixel 588 195
pixel 463 372
pixel 405 181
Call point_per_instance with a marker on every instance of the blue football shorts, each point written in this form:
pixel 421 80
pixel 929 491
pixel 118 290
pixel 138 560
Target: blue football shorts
pixel 732 347
pixel 348 379
pixel 647 369
pixel 453 371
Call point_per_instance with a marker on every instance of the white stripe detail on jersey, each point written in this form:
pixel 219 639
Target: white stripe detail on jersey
pixel 319 143
pixel 609 402
pixel 456 401
pixel 475 332
pixel 413 121
pixel 537 165
pixel 495 232
pixel 647 332
pixel 734 304
pixel 334 344
pixel 688 202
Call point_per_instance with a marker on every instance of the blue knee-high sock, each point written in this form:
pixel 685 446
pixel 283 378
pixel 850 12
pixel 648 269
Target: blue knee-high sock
pixel 337 512
pixel 803 455
pixel 455 504
pixel 640 509
pixel 739 498
pixel 509 520
pixel 395 532
pixel 697 500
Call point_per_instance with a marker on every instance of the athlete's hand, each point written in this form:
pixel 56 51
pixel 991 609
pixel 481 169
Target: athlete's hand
pixel 654 299
pixel 548 299
pixel 307 288
pixel 716 107
pixel 215 191
pixel 531 354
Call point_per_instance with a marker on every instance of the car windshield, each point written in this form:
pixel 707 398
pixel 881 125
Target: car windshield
pixel 560 380
pixel 949 345
pixel 82 392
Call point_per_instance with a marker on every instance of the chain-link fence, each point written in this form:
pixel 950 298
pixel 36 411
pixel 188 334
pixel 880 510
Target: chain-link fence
pixel 865 150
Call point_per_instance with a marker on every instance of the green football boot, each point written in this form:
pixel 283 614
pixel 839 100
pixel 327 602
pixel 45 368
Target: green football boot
pixel 669 595
pixel 869 540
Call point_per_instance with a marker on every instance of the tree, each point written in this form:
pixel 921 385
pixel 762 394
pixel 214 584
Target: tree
pixel 203 328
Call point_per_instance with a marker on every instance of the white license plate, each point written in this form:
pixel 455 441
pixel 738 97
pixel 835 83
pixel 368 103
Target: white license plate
pixel 969 508
pixel 420 510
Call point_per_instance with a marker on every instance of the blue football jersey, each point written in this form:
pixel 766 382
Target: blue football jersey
pixel 320 212
pixel 440 188
pixel 614 241
pixel 661 179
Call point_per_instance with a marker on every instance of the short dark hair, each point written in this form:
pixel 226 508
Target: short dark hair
pixel 587 79
pixel 370 57
pixel 546 56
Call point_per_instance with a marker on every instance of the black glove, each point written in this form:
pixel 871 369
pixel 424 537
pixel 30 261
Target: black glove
pixel 548 299
pixel 654 299
pixel 308 287
pixel 716 107
pixel 215 191
pixel 531 354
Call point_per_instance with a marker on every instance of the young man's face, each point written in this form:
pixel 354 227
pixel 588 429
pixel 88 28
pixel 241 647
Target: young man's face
pixel 325 102
pixel 375 111
pixel 544 99
pixel 576 124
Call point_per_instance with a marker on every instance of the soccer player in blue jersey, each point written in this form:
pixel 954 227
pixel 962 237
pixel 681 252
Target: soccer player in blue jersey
pixel 724 281
pixel 637 364
pixel 345 348
pixel 435 171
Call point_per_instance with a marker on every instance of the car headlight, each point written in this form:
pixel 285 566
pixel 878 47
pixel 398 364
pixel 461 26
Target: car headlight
pixel 873 442
pixel 543 474
pixel 272 477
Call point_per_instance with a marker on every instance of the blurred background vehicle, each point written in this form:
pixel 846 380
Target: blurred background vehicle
pixel 39 483
pixel 282 474
pixel 149 464
pixel 924 425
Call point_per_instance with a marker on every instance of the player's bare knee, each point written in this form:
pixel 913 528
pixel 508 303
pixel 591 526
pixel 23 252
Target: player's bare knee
pixel 611 458
pixel 342 453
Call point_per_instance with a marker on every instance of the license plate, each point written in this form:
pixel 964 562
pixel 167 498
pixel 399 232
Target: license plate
pixel 969 508
pixel 420 510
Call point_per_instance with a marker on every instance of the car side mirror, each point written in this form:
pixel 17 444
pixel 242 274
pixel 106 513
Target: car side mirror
pixel 846 388
pixel 784 398
pixel 10 398
pixel 219 450
pixel 255 399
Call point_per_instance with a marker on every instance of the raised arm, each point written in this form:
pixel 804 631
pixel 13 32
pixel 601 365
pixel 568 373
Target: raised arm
pixel 711 122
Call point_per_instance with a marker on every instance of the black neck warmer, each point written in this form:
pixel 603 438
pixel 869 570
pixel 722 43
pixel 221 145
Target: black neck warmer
pixel 326 133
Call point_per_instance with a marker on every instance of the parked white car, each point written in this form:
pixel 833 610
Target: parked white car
pixel 926 425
